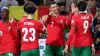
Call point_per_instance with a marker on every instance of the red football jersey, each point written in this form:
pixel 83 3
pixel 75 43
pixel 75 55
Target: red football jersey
pixel 55 29
pixel 7 43
pixel 23 18
pixel 69 20
pixel 14 28
pixel 82 35
pixel 30 31
pixel 16 37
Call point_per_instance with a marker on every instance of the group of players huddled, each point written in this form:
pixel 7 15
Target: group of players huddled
pixel 27 31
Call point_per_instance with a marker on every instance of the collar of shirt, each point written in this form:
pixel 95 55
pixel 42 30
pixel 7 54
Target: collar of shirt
pixel 83 12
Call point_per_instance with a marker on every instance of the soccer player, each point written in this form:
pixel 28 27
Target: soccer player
pixel 55 24
pixel 80 33
pixel 7 44
pixel 15 35
pixel 30 30
pixel 74 11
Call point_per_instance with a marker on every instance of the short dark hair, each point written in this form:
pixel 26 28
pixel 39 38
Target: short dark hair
pixel 61 3
pixel 98 5
pixel 30 8
pixel 51 2
pixel 82 5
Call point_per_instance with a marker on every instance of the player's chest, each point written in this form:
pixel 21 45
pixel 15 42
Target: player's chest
pixel 4 28
pixel 58 22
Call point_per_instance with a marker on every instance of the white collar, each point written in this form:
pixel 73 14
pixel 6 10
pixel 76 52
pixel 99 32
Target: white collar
pixel 83 12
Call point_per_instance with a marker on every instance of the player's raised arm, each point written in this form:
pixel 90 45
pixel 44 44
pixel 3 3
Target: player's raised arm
pixel 70 36
pixel 45 18
pixel 93 49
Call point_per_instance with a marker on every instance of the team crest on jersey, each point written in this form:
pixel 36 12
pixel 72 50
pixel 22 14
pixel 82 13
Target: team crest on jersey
pixel 9 28
pixel 61 21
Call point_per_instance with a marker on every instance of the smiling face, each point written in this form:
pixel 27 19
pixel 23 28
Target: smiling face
pixel 54 8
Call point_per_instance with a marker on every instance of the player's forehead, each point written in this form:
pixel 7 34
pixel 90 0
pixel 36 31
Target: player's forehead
pixel 4 10
pixel 53 5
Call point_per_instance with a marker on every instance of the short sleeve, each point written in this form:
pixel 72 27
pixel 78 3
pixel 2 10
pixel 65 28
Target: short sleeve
pixel 69 19
pixel 41 27
pixel 18 25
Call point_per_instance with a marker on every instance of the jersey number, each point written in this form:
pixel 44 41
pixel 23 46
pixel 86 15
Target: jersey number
pixel 85 25
pixel 31 30
pixel 52 23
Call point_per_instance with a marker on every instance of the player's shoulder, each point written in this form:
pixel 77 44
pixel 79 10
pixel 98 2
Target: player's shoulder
pixel 63 17
pixel 23 18
pixel 89 15
pixel 15 21
pixel 20 21
pixel 75 16
pixel 37 22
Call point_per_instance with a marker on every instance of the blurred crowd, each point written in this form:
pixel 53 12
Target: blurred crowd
pixel 7 3
pixel 66 4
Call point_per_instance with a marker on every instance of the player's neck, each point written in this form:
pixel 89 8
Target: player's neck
pixel 5 20
pixel 56 15
pixel 29 16
pixel 25 14
pixel 82 11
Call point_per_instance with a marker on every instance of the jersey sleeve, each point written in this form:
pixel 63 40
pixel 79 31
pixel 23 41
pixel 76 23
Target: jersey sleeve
pixel 72 31
pixel 68 22
pixel 48 19
pixel 14 28
pixel 18 25
pixel 91 21
pixel 41 27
